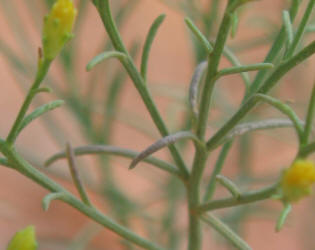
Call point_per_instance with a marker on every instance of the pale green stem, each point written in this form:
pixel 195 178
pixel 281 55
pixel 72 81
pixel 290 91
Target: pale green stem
pixel 200 159
pixel 309 118
pixel 301 29
pixel 29 171
pixel 244 198
pixel 217 170
pixel 270 82
pixel 225 231
pixel 75 175
pixel 41 73
pixel 105 14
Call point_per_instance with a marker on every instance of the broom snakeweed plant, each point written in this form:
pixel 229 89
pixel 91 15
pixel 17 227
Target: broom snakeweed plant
pixel 291 186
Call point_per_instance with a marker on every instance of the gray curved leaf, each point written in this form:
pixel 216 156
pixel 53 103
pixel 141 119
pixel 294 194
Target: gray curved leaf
pixel 194 86
pixel 106 149
pixel 165 141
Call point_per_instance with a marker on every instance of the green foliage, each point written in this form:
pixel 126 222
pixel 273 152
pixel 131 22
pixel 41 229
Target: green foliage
pixel 210 31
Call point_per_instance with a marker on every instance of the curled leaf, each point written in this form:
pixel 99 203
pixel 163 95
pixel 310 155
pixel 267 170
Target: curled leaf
pixel 165 141
pixel 104 56
pixel 106 149
pixel 51 197
pixel 194 86
pixel 245 128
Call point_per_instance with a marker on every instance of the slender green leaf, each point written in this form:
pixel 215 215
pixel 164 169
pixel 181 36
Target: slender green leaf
pixel 229 185
pixel 104 56
pixel 245 68
pixel 104 149
pixel 226 232
pixel 39 112
pixel 198 34
pixel 288 26
pixel 282 218
pixel 148 44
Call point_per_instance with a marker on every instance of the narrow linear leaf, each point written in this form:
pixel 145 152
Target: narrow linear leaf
pixel 194 86
pixel 229 185
pixel 76 176
pixel 245 68
pixel 226 232
pixel 235 22
pixel 38 112
pixel 42 90
pixel 288 26
pixel 309 118
pixel 51 197
pixel 245 128
pixel 105 149
pixel 148 44
pixel 285 109
pixel 198 34
pixel 283 216
pixel 301 29
pixel 211 187
pixel 104 56
pixel 230 56
pixel 165 141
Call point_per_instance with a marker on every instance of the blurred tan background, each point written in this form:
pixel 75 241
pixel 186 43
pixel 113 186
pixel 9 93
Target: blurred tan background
pixel 171 66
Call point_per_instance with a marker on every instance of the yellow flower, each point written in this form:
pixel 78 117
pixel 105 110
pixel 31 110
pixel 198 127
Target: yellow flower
pixel 57 27
pixel 297 180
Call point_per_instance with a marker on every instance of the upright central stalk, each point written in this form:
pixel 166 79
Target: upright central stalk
pixel 201 155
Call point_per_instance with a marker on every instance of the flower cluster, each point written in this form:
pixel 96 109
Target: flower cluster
pixel 297 180
pixel 57 27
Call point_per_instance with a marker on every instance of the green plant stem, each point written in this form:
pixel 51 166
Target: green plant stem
pixel 105 14
pixel 148 44
pixel 309 119
pixel 225 231
pixel 75 175
pixel 274 51
pixel 41 73
pixel 200 159
pixel 213 64
pixel 4 162
pixel 288 26
pixel 29 171
pixel 217 170
pixel 285 109
pixel 244 68
pixel 112 150
pixel 301 29
pixel 270 82
pixel 252 88
pixel 195 231
pixel 244 198
pixel 306 150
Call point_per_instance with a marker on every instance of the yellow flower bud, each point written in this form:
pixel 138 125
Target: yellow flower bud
pixel 24 239
pixel 297 180
pixel 57 27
